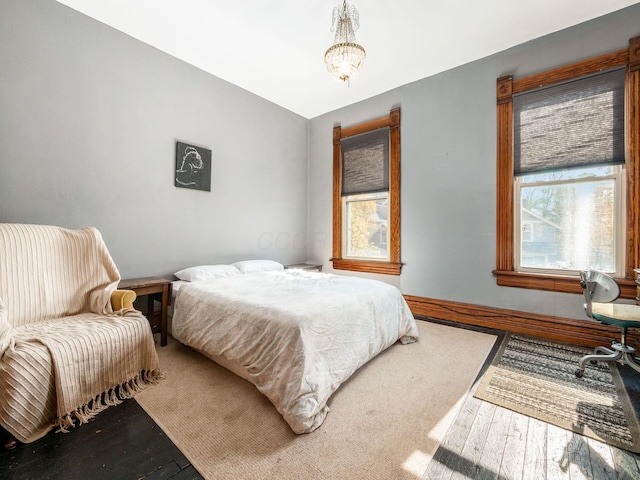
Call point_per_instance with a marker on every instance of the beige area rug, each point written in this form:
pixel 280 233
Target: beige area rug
pixel 536 377
pixel 385 422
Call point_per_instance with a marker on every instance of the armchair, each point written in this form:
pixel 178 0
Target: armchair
pixel 71 344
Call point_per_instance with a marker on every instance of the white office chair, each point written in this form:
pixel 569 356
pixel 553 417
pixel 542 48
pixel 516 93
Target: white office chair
pixel 600 290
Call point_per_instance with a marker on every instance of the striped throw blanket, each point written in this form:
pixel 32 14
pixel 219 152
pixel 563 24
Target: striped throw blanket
pixel 65 355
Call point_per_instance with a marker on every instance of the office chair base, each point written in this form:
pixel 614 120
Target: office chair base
pixel 617 352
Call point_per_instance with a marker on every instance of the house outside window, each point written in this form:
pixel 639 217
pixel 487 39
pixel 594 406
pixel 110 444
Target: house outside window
pixel 568 171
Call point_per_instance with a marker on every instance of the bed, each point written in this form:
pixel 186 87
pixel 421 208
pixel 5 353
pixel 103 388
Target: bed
pixel 296 335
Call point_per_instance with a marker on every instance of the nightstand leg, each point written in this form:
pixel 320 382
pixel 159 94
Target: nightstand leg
pixel 163 315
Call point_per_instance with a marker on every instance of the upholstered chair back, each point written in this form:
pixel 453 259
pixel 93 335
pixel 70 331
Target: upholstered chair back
pixel 49 272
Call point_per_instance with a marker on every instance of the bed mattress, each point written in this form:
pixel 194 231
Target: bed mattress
pixel 296 335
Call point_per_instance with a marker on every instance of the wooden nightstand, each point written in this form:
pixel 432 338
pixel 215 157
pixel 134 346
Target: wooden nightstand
pixel 154 288
pixel 310 267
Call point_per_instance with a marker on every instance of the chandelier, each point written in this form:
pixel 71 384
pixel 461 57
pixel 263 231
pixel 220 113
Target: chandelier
pixel 344 57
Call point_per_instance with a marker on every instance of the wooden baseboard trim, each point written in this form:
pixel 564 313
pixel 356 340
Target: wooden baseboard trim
pixel 578 332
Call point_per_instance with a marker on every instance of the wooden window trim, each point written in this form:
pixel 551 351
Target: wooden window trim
pixel 394 265
pixel 506 88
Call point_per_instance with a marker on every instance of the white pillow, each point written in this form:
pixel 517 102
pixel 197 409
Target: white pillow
pixel 249 266
pixel 206 272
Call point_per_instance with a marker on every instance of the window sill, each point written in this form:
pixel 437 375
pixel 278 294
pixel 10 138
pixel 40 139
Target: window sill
pixel 387 268
pixel 554 283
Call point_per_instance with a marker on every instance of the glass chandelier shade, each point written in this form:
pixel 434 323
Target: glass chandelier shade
pixel 345 56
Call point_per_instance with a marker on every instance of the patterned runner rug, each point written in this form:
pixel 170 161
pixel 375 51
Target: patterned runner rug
pixel 536 378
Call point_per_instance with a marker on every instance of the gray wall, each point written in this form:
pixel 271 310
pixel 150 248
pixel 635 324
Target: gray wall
pixel 448 196
pixel 89 118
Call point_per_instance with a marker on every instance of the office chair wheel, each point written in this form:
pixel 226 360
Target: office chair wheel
pixel 579 373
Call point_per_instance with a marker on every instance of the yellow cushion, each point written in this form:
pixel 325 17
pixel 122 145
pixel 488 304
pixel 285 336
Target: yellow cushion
pixel 122 299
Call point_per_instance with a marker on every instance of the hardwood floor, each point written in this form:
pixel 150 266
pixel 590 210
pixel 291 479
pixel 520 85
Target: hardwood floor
pixel 122 442
pixel 490 442
pixel 484 442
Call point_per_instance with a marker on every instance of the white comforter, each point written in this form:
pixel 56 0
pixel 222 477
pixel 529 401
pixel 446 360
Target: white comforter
pixel 297 335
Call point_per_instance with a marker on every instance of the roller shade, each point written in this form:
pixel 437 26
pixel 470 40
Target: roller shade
pixel 365 162
pixel 574 124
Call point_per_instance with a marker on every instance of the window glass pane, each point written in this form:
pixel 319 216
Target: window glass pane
pixel 366 227
pixel 568 225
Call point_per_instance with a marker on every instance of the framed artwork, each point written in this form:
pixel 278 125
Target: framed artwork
pixel 193 167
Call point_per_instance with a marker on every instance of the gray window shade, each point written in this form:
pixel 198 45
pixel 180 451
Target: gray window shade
pixel 365 162
pixel 573 124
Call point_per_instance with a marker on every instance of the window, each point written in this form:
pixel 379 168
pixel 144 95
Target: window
pixel 569 213
pixel 366 196
pixel 567 193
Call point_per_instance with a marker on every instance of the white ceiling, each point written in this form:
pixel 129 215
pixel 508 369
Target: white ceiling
pixel 275 48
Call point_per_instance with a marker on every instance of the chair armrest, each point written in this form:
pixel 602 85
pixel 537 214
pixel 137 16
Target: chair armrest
pixel 122 299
